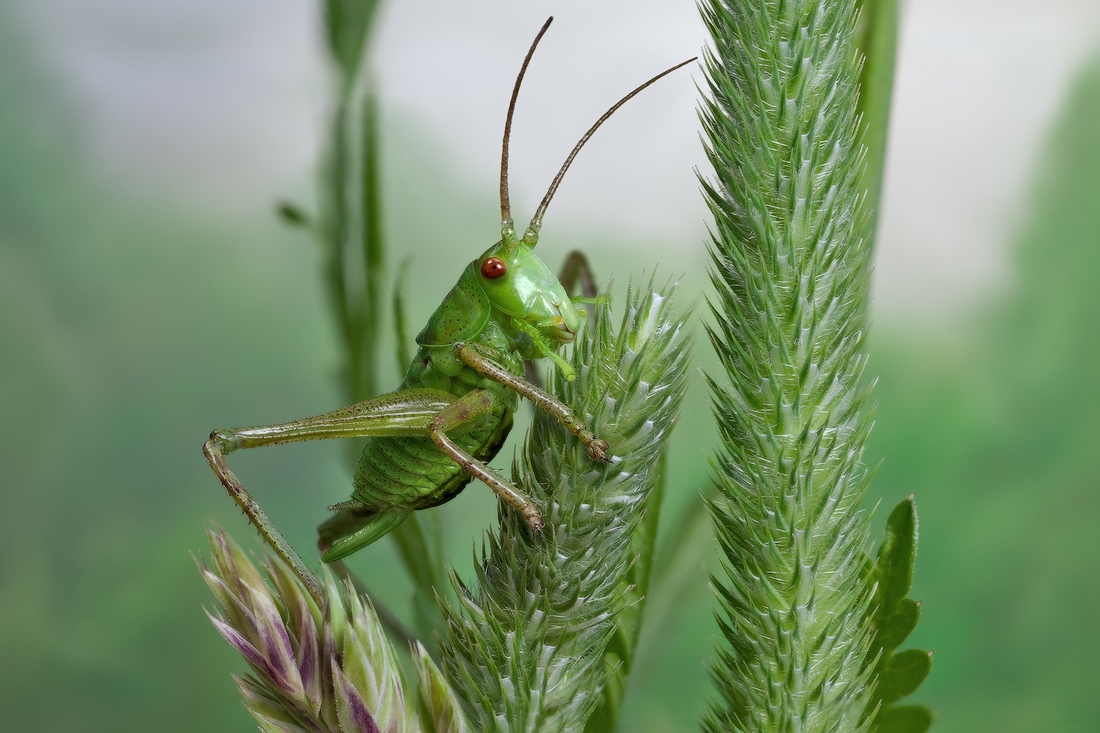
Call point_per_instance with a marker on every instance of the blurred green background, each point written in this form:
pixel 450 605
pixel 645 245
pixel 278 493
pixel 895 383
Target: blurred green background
pixel 148 295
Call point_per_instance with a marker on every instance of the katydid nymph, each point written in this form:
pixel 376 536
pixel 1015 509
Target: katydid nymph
pixel 453 410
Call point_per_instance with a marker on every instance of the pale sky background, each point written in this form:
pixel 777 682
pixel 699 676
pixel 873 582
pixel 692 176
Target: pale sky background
pixel 221 105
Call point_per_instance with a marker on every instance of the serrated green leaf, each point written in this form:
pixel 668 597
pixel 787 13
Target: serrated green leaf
pixel 903 674
pixel 904 719
pixel 896 556
pixel 895 628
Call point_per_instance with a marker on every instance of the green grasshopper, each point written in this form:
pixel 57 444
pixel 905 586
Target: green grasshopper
pixel 454 408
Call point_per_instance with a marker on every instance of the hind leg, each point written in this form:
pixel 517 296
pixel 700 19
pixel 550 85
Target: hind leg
pixel 397 413
pixel 349 531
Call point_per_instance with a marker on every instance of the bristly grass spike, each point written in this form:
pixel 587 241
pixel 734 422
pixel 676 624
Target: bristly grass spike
pixel 454 408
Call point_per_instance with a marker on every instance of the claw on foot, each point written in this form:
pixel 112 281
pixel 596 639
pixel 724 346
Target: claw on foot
pixel 535 523
pixel 597 450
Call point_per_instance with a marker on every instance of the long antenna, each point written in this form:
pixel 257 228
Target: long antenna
pixel 531 236
pixel 505 204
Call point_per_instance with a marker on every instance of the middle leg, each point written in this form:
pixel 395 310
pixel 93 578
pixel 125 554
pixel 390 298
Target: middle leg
pixel 469 406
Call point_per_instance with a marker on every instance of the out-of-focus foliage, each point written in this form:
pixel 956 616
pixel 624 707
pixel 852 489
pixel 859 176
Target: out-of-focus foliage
pixel 109 341
pixel 995 430
pixel 894 616
pixel 876 37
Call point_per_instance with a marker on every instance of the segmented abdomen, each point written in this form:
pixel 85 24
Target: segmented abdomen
pixel 413 473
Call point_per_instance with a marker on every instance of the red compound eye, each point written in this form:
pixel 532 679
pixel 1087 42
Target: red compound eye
pixel 493 267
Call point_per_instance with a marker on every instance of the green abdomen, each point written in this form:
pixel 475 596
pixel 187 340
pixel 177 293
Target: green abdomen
pixel 413 473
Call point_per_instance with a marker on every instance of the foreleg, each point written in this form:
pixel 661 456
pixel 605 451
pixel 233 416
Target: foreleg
pixel 467 354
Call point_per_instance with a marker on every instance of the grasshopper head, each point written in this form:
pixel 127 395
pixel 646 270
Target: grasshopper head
pixel 521 286
pixel 518 283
